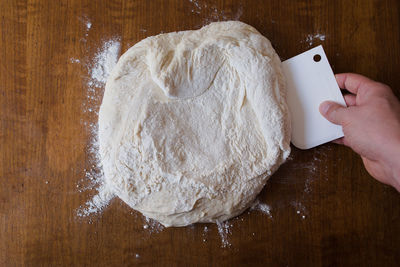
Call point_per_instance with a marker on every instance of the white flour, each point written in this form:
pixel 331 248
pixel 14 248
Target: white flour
pixel 310 39
pixel 264 208
pixel 74 60
pixel 212 12
pixel 97 203
pixel 224 230
pixel 300 209
pixel 152 226
pixel 102 63
pixel 88 25
pixel 205 231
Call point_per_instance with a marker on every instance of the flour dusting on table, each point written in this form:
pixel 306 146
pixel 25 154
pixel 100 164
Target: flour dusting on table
pixel 104 61
pixel 224 230
pixel 212 13
pixel 152 226
pixel 99 69
pixel 264 208
pixel 312 38
pixel 300 209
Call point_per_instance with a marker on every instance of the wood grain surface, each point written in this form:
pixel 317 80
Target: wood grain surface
pixel 349 218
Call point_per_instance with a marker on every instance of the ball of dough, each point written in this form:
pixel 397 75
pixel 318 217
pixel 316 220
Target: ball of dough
pixel 193 123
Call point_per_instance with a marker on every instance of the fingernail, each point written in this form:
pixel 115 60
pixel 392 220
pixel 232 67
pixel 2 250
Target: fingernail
pixel 324 107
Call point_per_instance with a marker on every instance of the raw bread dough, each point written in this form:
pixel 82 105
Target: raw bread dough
pixel 193 123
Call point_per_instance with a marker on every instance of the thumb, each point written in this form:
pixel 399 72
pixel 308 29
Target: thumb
pixel 333 112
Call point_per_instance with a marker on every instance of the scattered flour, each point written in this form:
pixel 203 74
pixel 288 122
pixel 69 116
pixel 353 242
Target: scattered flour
pixel 94 174
pixel 97 203
pixel 212 13
pixel 300 209
pixel 104 62
pixel 99 69
pixel 224 230
pixel 264 208
pixel 74 60
pixel 205 231
pixel 310 39
pixel 152 226
pixel 88 25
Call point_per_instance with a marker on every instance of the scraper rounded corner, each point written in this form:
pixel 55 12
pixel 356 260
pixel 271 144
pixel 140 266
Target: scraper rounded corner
pixel 307 146
pixel 301 145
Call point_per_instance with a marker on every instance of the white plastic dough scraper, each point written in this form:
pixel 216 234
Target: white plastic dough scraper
pixel 310 81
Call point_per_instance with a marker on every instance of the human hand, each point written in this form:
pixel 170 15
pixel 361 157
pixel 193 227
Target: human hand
pixel 371 125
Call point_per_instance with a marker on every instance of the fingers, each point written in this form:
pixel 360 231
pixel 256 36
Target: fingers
pixel 333 112
pixel 350 100
pixel 351 81
pixel 338 141
pixel 341 141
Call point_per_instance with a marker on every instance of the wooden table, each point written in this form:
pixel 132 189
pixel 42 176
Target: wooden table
pixel 349 218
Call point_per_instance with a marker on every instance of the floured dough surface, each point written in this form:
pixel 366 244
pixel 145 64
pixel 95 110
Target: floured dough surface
pixel 193 123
